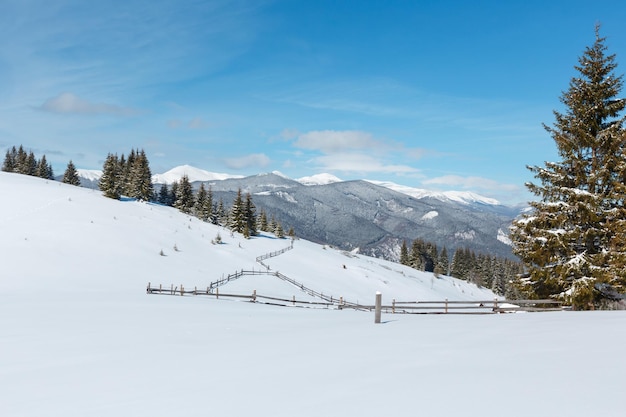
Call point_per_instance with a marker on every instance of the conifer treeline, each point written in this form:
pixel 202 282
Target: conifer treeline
pixel 241 217
pixel 129 177
pixel 497 274
pixel 22 162
pixel 19 161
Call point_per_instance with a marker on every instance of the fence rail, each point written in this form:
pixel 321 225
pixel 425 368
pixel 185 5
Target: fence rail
pixel 328 301
pixel 402 307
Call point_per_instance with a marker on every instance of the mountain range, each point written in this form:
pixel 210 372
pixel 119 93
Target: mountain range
pixel 371 217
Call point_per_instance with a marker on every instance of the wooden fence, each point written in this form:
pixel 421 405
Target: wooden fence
pixel 396 307
pixel 328 301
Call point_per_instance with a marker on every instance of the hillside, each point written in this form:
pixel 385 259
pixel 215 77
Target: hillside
pixel 80 336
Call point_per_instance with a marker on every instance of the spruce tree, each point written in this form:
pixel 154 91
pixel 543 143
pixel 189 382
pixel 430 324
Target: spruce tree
pixel 139 176
pixel 575 236
pixel 184 195
pixel 404 254
pixel 236 219
pixel 250 215
pixel 109 181
pixel 164 195
pixel 71 175
pixel 10 160
pixel 44 170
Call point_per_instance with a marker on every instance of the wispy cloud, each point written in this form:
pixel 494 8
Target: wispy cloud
pixel 195 123
pixel 68 103
pixel 359 163
pixel 330 141
pixel 257 160
pixel 354 151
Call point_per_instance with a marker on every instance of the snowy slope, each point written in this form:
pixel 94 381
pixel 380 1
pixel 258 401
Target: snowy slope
pixel 80 336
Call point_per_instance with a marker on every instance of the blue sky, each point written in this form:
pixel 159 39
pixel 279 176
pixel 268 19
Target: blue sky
pixel 443 95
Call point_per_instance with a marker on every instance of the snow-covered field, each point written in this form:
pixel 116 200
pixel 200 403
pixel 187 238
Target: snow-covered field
pixel 79 336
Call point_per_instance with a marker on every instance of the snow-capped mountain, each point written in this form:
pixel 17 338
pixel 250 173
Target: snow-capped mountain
pixel 373 216
pixel 319 179
pixel 91 177
pixel 464 197
pixel 194 174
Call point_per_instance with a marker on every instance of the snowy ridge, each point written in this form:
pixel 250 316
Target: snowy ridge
pixel 90 174
pixel 464 197
pixel 194 174
pixel 319 179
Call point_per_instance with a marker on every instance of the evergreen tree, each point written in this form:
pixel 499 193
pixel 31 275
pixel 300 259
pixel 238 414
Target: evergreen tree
pixel 21 161
pixel 164 196
pixel 575 236
pixel 443 262
pixel 263 226
pixel 10 161
pixel 31 164
pixel 139 176
pixel 71 175
pixel 220 212
pixel 184 196
pixel 203 207
pixel 44 170
pixel 109 181
pixel 237 221
pixel 404 254
pixel 173 194
pixel 250 216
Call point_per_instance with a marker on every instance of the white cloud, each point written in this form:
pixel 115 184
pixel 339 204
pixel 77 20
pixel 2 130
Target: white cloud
pixel 248 161
pixel 68 103
pixel 361 163
pixel 330 141
pixel 197 123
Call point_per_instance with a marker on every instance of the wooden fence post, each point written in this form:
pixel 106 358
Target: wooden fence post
pixel 293 300
pixel 253 295
pixel 495 305
pixel 172 289
pixel 446 306
pixel 217 293
pixel 378 307
pixel 181 289
pixel 393 306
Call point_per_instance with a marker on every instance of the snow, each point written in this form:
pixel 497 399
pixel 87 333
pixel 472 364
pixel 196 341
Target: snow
pixel 193 173
pixel 430 215
pixel 464 197
pixel 80 336
pixel 504 238
pixel 319 179
pixel 90 174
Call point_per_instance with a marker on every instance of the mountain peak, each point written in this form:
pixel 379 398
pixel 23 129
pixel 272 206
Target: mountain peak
pixel 464 197
pixel 319 179
pixel 193 173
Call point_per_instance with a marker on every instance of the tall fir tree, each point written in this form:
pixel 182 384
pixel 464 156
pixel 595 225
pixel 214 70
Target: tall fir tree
pixel 10 160
pixel 44 169
pixel 184 195
pixel 109 181
pixel 404 254
pixel 236 219
pixel 250 216
pixel 575 236
pixel 70 176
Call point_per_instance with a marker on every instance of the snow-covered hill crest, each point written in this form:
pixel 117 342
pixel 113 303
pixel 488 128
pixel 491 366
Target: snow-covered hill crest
pixel 194 174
